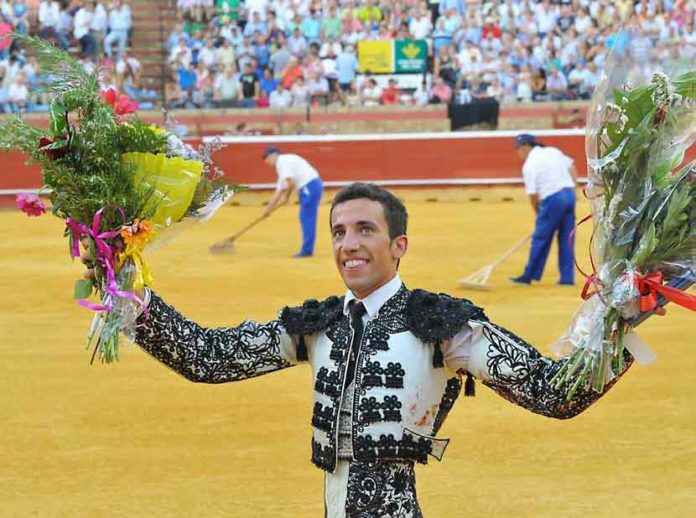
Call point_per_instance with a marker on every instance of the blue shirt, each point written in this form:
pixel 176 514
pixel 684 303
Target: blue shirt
pixel 174 38
pixel 19 9
pixel 311 27
pixel 346 67
pixel 252 27
pixel 187 78
pixel 268 85
pixel 458 5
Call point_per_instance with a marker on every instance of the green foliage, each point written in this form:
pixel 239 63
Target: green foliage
pixel 83 169
pixel 138 135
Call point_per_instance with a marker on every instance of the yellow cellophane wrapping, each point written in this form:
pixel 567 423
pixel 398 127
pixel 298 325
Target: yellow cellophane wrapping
pixel 174 181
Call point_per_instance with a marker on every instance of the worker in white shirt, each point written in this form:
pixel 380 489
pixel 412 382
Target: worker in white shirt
pixel 295 173
pixel 549 179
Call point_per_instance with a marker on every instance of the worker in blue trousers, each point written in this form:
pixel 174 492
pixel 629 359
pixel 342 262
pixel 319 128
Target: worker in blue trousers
pixel 296 174
pixel 549 179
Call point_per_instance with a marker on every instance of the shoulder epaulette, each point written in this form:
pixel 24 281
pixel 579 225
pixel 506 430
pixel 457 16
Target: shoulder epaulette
pixel 434 317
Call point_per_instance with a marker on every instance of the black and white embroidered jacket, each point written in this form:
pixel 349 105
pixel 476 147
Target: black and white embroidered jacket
pixel 403 389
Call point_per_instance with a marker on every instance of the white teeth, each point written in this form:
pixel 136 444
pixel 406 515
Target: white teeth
pixel 354 263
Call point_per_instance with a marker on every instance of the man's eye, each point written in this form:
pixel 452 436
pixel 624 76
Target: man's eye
pixel 366 231
pixel 338 234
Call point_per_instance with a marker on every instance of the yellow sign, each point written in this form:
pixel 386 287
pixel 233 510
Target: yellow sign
pixel 376 56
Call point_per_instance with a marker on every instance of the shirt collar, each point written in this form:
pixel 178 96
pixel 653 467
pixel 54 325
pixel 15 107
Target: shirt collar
pixel 375 300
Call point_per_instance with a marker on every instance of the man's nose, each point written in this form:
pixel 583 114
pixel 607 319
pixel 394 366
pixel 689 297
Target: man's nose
pixel 351 241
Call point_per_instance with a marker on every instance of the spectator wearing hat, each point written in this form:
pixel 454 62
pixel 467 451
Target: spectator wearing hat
pixel 296 173
pixel 549 178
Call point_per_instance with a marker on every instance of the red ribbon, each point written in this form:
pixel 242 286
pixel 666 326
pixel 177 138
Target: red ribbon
pixel 591 280
pixel 650 287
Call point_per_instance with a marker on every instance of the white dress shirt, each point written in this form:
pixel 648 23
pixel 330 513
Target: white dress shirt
pixel 456 352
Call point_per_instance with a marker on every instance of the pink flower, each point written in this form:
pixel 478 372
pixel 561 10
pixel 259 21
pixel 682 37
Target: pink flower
pixel 30 204
pixel 121 104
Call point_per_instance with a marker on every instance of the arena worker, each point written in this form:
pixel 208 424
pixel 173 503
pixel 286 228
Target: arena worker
pixel 549 179
pixel 296 174
pixel 387 362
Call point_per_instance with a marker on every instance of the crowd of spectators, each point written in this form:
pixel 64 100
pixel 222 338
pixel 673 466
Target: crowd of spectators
pixel 280 53
pixel 97 31
pixel 283 53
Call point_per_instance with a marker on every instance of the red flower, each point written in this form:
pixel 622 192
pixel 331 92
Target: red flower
pixel 121 104
pixel 54 153
pixel 30 204
pixel 109 96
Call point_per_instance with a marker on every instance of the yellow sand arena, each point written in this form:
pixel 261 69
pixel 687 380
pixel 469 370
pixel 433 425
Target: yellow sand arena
pixel 133 439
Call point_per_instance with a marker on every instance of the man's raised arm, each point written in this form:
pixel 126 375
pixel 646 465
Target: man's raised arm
pixel 213 355
pixel 521 374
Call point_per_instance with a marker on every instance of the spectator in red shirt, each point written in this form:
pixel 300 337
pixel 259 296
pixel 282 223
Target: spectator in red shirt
pixel 391 93
pixel 291 73
pixel 490 27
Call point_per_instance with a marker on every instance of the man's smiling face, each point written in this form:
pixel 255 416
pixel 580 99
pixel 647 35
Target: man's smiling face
pixel 365 254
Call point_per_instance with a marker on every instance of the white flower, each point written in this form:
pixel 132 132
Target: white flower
pixel 662 94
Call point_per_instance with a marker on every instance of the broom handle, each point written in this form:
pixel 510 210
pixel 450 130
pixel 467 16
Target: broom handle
pixel 510 252
pixel 249 226
pixel 253 223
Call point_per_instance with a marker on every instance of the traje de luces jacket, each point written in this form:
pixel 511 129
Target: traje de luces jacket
pixel 403 389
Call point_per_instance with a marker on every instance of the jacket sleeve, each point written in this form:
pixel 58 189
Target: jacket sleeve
pixel 519 373
pixel 213 355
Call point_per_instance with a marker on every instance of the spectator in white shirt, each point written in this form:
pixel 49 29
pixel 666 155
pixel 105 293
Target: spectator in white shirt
pixel 120 24
pixel 317 84
pixel 49 18
pixel 81 30
pixel 280 98
pixel 556 84
pixel 18 93
pixel 300 93
pixel 100 24
pixel 372 93
pixel 420 26
pixel 330 48
pixel 208 55
pixel 226 89
pixel 180 55
pixel 226 56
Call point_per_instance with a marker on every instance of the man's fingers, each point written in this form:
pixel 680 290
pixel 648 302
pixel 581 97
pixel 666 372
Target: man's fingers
pixel 660 311
pixel 89 274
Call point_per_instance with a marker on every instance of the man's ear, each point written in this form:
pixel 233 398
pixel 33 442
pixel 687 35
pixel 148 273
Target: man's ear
pixel 399 246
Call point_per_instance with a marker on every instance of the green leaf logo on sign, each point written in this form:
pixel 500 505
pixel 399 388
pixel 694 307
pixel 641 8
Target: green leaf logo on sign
pixel 411 50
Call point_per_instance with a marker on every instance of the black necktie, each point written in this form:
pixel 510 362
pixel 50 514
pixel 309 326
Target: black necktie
pixel 357 310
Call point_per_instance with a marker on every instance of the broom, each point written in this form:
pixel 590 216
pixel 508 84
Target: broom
pixel 226 246
pixel 478 280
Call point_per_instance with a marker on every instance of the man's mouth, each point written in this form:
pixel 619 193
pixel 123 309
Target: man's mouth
pixel 354 264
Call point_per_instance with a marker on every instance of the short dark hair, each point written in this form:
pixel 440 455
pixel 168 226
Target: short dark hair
pixel 394 211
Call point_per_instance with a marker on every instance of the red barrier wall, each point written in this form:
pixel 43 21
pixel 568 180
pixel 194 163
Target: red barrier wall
pixel 422 159
pixel 394 158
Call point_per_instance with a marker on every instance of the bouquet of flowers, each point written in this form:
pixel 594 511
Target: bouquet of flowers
pixel 119 183
pixel 643 195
